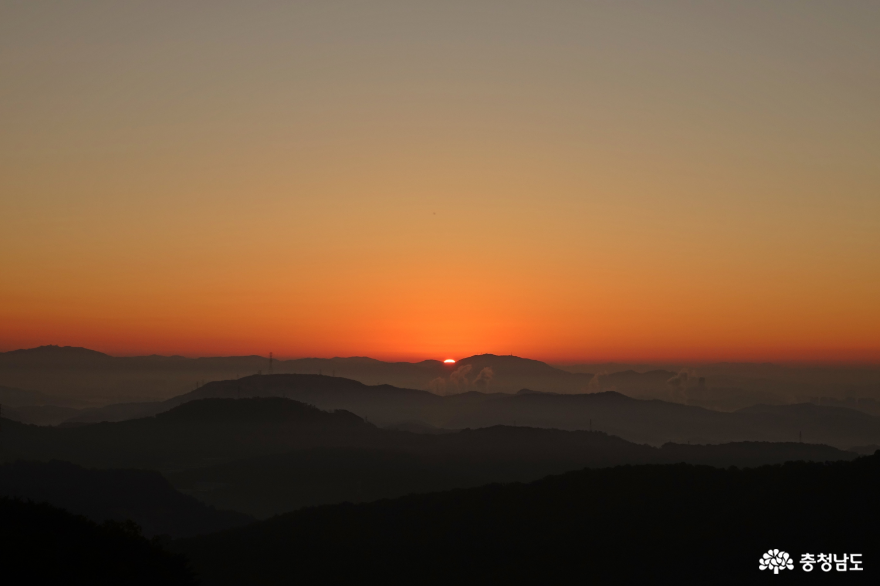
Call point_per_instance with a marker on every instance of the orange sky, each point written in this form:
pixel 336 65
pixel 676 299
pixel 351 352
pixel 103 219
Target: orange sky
pixel 402 180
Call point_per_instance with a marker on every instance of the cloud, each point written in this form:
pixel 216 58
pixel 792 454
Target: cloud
pixel 594 386
pixel 458 378
pixel 484 379
pixel 457 381
pixel 678 384
pixel 438 386
pixel 679 381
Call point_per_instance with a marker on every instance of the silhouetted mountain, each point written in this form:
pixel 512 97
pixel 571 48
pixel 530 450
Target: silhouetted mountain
pixel 508 374
pixel 199 431
pixel 86 375
pixel 750 454
pixel 654 422
pixel 37 408
pixel 384 403
pixel 391 404
pixel 195 433
pixel 658 422
pixel 53 356
pixel 93 376
pixel 408 463
pixel 11 397
pixel 866 404
pixel 678 524
pixel 414 375
pixel 117 412
pixel 416 427
pixel 644 421
pixel 40 414
pixel 729 383
pixel 337 456
pixel 269 485
pixel 68 374
pixel 42 544
pixel 269 455
pixel 142 496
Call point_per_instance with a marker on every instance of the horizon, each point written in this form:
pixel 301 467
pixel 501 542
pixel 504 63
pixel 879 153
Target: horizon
pixel 557 364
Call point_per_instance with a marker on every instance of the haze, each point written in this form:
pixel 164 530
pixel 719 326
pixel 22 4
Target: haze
pixel 565 181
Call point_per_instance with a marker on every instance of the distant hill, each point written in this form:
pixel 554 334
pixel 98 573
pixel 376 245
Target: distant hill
pixel 643 421
pixel 194 433
pixel 54 356
pixel 383 403
pixel 142 496
pixel 41 414
pixel 676 524
pixel 268 485
pixel 37 408
pixel 509 374
pixel 12 397
pixel 88 375
pixel 657 422
pixel 42 544
pixel 380 403
pixel 95 379
pixel 15 398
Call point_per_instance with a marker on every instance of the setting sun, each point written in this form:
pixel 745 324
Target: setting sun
pixel 449 361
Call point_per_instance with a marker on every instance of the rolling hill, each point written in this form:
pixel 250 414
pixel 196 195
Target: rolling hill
pixel 623 525
pixel 644 421
pixel 263 456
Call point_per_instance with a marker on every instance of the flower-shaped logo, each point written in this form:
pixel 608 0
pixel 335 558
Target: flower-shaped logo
pixel 775 560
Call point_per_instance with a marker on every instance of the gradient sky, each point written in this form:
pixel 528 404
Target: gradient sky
pixel 620 180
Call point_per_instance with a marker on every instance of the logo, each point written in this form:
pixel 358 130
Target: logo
pixel 775 560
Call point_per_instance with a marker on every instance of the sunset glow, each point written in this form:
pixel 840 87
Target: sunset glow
pixel 288 189
pixel 449 361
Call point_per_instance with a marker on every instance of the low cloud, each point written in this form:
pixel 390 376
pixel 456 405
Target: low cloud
pixel 595 384
pixel 680 380
pixel 484 379
pixel 438 386
pixel 458 378
pixel 679 383
pixel 457 381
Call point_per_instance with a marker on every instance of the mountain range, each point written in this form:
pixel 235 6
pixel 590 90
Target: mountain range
pixel 644 421
pixel 267 455
pixel 80 378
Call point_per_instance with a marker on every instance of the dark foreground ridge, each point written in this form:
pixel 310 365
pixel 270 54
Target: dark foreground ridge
pixel 678 524
pixel 42 544
pixel 143 496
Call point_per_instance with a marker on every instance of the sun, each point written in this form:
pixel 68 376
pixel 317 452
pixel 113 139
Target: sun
pixel 449 361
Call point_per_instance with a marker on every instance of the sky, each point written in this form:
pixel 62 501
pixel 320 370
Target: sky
pixel 567 181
